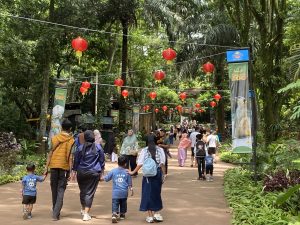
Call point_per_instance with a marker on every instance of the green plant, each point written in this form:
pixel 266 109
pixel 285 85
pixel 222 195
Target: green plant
pixel 28 147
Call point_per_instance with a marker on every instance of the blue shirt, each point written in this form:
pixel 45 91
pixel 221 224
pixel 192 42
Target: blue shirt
pixel 209 160
pixel 121 182
pixel 29 184
pixel 90 161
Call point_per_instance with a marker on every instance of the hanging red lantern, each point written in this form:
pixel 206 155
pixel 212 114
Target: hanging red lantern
pixel 179 108
pixel 156 110
pixel 164 108
pixel 79 45
pixel 83 90
pixel 197 105
pixel 152 95
pixel 125 94
pixel 147 107
pixel 118 82
pixel 159 75
pixel 182 96
pixel 86 84
pixel 208 68
pixel 213 104
pixel 217 97
pixel 169 54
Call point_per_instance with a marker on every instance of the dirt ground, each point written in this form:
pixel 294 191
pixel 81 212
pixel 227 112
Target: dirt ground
pixel 186 200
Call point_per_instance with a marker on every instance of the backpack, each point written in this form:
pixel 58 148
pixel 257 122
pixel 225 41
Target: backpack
pixel 149 167
pixel 200 149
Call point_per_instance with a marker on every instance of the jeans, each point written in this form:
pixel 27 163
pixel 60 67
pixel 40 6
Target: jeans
pixel 201 166
pixel 209 169
pixel 119 205
pixel 58 183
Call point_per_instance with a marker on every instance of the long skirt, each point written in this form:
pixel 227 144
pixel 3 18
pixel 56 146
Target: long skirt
pixel 181 156
pixel 151 193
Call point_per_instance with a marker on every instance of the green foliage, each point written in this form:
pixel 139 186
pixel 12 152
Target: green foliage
pixel 285 196
pixel 28 147
pixel 250 205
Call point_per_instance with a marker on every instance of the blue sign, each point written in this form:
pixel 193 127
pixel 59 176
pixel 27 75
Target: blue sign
pixel 237 55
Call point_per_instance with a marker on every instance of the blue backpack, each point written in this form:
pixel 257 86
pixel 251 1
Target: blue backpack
pixel 149 167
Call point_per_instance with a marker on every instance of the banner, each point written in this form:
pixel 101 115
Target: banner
pixel 240 107
pixel 58 108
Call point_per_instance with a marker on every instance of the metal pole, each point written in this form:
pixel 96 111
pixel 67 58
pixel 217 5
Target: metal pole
pixel 96 97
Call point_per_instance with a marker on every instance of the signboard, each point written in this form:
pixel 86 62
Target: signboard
pixel 240 107
pixel 238 55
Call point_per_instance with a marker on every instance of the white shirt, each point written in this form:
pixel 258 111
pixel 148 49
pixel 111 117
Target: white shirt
pixel 160 156
pixel 193 138
pixel 212 141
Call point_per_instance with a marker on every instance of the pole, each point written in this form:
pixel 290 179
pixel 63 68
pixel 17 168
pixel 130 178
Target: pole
pixel 96 97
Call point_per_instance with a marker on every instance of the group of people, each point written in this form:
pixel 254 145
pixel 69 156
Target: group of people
pixel 203 150
pixel 87 164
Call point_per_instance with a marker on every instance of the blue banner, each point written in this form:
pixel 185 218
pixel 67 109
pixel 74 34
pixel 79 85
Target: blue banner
pixel 237 55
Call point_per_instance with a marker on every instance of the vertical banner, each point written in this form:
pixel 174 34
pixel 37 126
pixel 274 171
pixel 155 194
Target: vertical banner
pixel 58 108
pixel 135 117
pixel 240 107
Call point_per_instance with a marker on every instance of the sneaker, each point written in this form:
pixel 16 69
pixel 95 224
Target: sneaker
pixel 86 217
pixel 114 218
pixel 157 217
pixel 81 212
pixel 149 219
pixel 207 178
pixel 29 216
pixel 122 216
pixel 25 215
pixel 211 179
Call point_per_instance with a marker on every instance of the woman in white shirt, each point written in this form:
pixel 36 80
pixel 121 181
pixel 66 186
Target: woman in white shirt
pixel 151 187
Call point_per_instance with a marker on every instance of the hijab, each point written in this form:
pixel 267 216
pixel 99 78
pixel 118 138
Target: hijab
pixel 89 142
pixel 98 138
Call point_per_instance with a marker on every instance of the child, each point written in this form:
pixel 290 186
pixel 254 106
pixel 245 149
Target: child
pixel 209 160
pixel 121 183
pixel 184 144
pixel 200 153
pixel 29 190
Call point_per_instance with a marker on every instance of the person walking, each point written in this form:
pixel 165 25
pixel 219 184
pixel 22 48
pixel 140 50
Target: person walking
pixel 184 144
pixel 129 149
pixel 193 142
pixel 89 162
pixel 213 143
pixel 60 163
pixel 151 200
pixel 171 135
pixel 98 137
pixel 164 143
pixel 200 153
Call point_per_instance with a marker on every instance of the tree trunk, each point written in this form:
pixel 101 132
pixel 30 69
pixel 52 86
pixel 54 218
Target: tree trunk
pixel 46 61
pixel 122 118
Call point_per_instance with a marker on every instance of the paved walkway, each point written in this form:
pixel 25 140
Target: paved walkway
pixel 186 201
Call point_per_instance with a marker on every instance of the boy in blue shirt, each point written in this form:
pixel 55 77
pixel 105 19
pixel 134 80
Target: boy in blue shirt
pixel 29 190
pixel 121 183
pixel 209 161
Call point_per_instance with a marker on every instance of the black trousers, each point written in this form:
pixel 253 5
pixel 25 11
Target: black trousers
pixel 166 165
pixel 58 183
pixel 88 183
pixel 209 169
pixel 201 166
pixel 131 161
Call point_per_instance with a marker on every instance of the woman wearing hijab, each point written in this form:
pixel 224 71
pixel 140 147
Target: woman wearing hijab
pixel 151 201
pixel 98 138
pixel 89 164
pixel 184 144
pixel 129 149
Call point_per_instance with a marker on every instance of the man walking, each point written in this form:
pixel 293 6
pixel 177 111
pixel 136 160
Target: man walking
pixel 60 163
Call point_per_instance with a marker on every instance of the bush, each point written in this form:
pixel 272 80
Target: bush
pixel 250 205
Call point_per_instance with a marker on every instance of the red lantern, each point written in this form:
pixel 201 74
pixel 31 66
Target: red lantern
pixel 147 107
pixel 197 105
pixel 119 82
pixel 208 68
pixel 152 95
pixel 83 90
pixel 217 97
pixel 159 75
pixel 182 96
pixel 86 84
pixel 164 108
pixel 179 108
pixel 169 54
pixel 79 45
pixel 213 104
pixel 125 93
pixel 156 110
